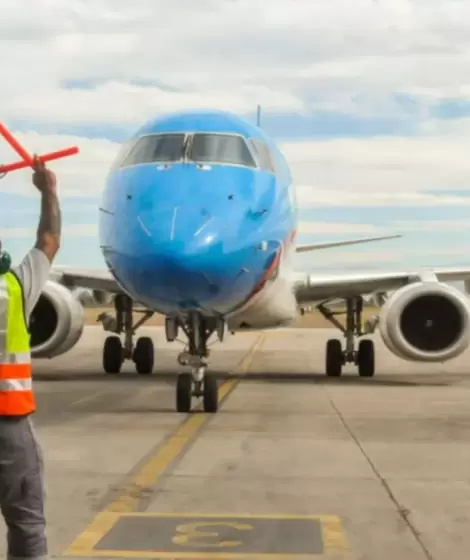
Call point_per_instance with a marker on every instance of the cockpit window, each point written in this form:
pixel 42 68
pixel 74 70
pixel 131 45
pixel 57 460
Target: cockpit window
pixel 122 153
pixel 263 155
pixel 220 148
pixel 156 148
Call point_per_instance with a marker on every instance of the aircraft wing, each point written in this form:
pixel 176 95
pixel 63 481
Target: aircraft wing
pixel 328 244
pixel 96 279
pixel 318 287
pixel 307 287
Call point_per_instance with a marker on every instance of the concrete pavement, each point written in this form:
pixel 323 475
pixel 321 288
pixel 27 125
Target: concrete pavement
pixel 294 465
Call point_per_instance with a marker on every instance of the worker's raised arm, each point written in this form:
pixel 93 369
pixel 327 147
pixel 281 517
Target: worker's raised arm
pixel 50 222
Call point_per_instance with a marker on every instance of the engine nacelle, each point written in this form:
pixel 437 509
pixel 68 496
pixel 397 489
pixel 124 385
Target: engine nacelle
pixel 426 321
pixel 466 285
pixel 56 323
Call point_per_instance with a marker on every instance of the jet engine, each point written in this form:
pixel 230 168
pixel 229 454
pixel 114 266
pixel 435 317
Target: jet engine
pixel 426 321
pixel 56 323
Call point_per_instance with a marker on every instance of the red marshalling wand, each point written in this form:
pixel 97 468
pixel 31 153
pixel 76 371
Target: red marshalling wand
pixel 26 157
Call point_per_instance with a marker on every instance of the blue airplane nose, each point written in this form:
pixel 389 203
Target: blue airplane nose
pixel 191 237
pixel 197 260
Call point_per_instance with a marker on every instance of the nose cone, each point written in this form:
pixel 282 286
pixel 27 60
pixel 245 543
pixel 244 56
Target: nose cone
pixel 196 260
pixel 187 237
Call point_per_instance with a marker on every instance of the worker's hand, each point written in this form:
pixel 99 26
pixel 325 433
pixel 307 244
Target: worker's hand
pixel 43 179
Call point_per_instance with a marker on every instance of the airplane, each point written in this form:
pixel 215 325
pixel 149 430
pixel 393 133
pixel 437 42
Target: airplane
pixel 198 222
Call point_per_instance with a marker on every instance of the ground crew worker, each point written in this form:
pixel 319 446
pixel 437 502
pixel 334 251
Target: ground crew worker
pixel 21 463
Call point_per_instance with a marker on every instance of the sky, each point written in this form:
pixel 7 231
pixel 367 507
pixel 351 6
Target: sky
pixel 368 100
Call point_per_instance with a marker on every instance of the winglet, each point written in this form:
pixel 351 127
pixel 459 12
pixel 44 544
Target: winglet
pixel 329 244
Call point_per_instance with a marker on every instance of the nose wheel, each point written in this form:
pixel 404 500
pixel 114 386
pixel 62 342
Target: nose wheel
pixel 184 392
pixel 187 388
pixel 143 355
pixel 198 383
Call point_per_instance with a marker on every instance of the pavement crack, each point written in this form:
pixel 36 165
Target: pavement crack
pixel 403 512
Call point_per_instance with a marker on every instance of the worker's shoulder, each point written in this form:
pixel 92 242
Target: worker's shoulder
pixel 34 262
pixel 33 271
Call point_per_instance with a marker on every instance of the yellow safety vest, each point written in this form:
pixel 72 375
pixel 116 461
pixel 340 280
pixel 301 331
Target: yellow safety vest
pixel 16 391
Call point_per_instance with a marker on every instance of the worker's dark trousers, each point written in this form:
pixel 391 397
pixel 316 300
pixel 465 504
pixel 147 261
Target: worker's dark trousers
pixel 22 489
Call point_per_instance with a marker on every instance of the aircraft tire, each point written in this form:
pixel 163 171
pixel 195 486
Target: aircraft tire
pixel 210 394
pixel 334 358
pixel 366 358
pixel 144 355
pixel 112 355
pixel 184 386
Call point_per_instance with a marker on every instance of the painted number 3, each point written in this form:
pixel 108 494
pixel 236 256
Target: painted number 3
pixel 191 534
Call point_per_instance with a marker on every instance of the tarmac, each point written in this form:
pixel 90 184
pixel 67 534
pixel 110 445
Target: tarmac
pixel 294 465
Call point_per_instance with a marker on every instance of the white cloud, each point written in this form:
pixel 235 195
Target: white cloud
pixel 375 168
pixel 432 225
pixel 129 104
pixel 296 54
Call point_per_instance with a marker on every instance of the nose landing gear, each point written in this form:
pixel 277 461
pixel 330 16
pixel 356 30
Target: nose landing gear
pixel 198 383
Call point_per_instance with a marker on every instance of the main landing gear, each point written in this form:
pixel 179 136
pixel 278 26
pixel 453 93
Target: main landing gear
pixel 198 383
pixel 114 351
pixel 336 357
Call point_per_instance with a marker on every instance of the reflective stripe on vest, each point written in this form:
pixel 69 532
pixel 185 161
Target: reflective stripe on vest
pixel 16 394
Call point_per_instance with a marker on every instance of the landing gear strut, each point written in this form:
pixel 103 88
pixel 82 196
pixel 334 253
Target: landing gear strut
pixel 336 357
pixel 198 383
pixel 114 351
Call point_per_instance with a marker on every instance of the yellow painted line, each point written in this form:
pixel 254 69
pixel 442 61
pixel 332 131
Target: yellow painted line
pixel 197 555
pixel 334 540
pixel 246 362
pixel 290 516
pixel 151 471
